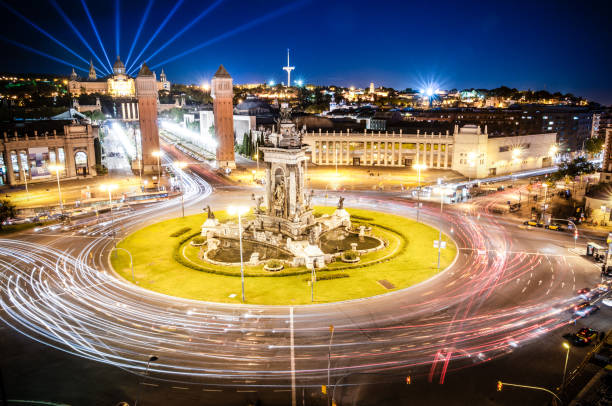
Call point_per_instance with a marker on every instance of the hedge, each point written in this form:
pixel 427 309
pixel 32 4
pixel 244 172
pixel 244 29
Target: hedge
pixel 180 232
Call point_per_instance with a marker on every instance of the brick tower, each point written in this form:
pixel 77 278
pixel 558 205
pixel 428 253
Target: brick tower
pixel 146 92
pixel 223 107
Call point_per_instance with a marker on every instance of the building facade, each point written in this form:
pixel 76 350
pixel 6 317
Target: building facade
pixel 223 94
pixel 118 84
pixel 27 156
pixel 469 150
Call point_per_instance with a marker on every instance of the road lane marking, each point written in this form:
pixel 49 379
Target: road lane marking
pixel 292 358
pixel 180 387
pixel 149 384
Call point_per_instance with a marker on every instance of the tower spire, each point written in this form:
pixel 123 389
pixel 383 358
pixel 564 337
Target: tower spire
pixel 288 68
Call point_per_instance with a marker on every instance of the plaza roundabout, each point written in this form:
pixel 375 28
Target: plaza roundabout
pixel 499 293
pixel 168 257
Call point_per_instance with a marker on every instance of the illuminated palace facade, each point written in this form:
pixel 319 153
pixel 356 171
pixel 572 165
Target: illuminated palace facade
pixel 469 150
pixel 119 84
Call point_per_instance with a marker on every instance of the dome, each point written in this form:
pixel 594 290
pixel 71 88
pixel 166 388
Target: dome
pixel 119 67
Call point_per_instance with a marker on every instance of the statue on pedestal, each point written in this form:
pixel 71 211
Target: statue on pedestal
pixel 209 212
pixel 341 203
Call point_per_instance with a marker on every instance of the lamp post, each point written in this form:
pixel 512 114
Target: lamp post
pixel 158 154
pixel 239 210
pixel 25 179
pixel 181 166
pixel 331 337
pixel 418 167
pixel 152 358
pixel 57 169
pixel 442 191
pixel 110 187
pixel 131 259
pixel 567 347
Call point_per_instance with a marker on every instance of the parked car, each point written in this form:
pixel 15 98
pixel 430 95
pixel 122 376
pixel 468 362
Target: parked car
pixel 555 226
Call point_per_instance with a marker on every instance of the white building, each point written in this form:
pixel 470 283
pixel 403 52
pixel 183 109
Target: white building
pixel 469 150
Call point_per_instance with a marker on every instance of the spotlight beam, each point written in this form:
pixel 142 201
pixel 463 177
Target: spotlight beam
pixel 277 13
pixel 185 28
pixel 51 37
pixel 161 26
pixel 77 32
pixel 95 30
pixel 142 21
pixel 117 28
pixel 36 51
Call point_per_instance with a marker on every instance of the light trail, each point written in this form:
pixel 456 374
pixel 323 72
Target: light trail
pixel 140 27
pixel 70 302
pixel 117 28
pixel 157 31
pixel 42 31
pixel 95 30
pixel 203 14
pixel 274 14
pixel 41 53
pixel 79 35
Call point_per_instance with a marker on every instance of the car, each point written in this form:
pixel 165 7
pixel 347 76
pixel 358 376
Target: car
pixel 575 340
pixel 579 306
pixel 583 290
pixel 607 302
pixel 533 223
pixel 588 334
pixel 555 226
pixel 586 311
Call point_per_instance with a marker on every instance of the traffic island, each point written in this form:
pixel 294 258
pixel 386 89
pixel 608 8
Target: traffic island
pixel 168 259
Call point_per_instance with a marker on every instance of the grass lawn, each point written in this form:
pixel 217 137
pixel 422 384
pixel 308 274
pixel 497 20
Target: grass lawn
pixel 410 249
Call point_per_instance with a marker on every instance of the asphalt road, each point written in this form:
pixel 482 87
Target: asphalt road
pixel 73 333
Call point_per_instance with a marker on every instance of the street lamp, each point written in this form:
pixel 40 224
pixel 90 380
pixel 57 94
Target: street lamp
pixel 567 347
pixel 331 337
pixel 152 358
pixel 110 187
pixel 419 167
pixel 239 210
pixel 57 169
pixel 131 259
pixel 25 179
pixel 158 154
pixel 442 191
pixel 182 165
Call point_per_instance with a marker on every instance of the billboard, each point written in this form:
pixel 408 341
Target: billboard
pixel 37 162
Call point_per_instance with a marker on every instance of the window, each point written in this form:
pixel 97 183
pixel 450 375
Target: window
pixel 504 148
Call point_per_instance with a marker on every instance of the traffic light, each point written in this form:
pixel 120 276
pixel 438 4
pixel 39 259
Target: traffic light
pixel 324 389
pixel 500 385
pixel 408 380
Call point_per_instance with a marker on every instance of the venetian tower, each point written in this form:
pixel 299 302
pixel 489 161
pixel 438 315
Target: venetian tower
pixel 146 92
pixel 223 94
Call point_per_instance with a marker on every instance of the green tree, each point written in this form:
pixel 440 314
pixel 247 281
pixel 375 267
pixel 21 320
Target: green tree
pixel 7 211
pixel 594 145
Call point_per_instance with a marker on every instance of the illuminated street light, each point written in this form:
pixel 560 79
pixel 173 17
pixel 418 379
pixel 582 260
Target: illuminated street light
pixel 567 347
pixel 57 169
pixel 239 211
pixel 158 154
pixel 553 151
pixel 419 167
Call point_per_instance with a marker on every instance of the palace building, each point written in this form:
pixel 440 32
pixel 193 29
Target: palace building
pixel 119 84
pixel 469 150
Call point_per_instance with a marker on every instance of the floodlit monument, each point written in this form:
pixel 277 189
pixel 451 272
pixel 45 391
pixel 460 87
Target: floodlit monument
pixel 222 92
pixel 285 227
pixel 146 92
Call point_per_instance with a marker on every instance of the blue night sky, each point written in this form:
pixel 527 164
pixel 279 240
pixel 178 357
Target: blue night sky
pixel 553 45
